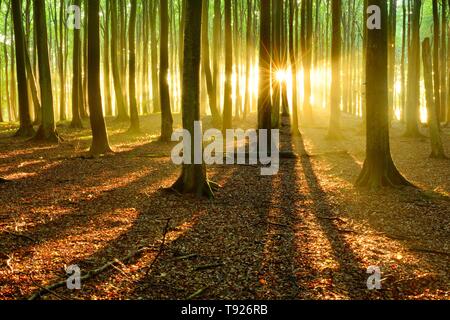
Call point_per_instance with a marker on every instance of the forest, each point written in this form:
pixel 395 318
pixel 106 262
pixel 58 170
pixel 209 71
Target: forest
pixel 224 149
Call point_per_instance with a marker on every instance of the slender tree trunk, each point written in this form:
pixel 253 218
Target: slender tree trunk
pixel 61 69
pixel 47 129
pixel 237 62
pixel 26 128
pixel 217 48
pixel 106 60
pixel 443 60
pixel 403 62
pixel 207 68
pixel 145 57
pixel 100 144
pixel 437 149
pixel 264 99
pixel 115 64
pixel 77 88
pixel 413 91
pixel 334 131
pixel 391 54
pixel 248 64
pixel 166 113
pixel 436 62
pixel 307 59
pixel 134 115
pixel 154 58
pixel 293 56
pixel 227 104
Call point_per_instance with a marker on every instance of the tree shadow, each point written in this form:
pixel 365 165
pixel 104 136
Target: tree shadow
pixel 350 265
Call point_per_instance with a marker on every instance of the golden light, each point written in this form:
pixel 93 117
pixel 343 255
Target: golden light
pixel 281 75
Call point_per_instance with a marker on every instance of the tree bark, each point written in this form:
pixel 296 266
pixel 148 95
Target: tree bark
pixel 193 177
pixel 227 122
pixel 100 144
pixel 26 128
pixel 437 149
pixel 217 119
pixel 334 131
pixel 47 129
pixel 134 115
pixel 166 113
pixel 378 169
pixel 413 90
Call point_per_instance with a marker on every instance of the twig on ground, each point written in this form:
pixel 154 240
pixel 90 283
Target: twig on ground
pixel 88 275
pixel 20 235
pixel 188 256
pixel 426 250
pixel 197 293
pixel 331 218
pixel 208 266
pixel 161 248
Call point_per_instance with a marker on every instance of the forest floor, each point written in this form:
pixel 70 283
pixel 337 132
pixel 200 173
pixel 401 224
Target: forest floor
pixel 305 233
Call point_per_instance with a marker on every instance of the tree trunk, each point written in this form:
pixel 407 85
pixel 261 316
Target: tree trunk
pixel 207 68
pixel 436 62
pixel 154 58
pixel 227 103
pixel 166 113
pixel 413 90
pixel 77 88
pixel 193 177
pixel 134 115
pixel 115 64
pixel 334 131
pixel 378 169
pixel 26 128
pixel 106 60
pixel 248 65
pixel 293 56
pixel 307 59
pixel 437 149
pixel 47 129
pixel 264 99
pixel 100 144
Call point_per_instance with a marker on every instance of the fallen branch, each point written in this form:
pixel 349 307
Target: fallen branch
pixel 418 249
pixel 20 235
pixel 277 224
pixel 197 293
pixel 188 256
pixel 46 289
pixel 161 248
pixel 207 266
pixel 331 218
pixel 87 276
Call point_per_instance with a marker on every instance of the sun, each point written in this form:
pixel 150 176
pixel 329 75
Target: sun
pixel 281 75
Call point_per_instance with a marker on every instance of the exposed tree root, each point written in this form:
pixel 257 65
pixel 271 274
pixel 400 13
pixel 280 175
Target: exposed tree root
pixel 25 132
pixel 47 136
pixel 205 189
pixel 372 177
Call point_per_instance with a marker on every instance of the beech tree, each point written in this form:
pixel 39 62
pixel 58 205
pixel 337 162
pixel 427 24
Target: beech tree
pixel 379 169
pixel 47 129
pixel 437 149
pixel 100 144
pixel 166 114
pixel 193 177
pixel 26 128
